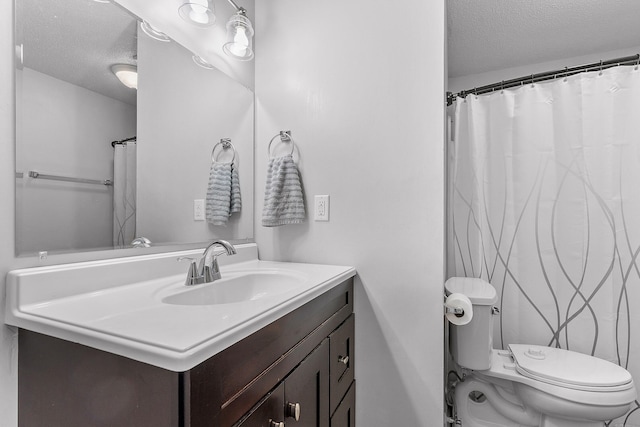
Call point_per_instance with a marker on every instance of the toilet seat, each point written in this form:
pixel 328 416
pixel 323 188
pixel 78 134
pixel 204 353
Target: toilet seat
pixel 504 366
pixel 569 369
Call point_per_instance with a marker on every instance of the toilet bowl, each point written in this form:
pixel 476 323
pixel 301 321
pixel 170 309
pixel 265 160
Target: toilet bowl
pixel 528 385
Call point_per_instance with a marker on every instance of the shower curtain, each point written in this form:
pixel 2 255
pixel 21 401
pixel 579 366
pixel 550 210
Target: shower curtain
pixel 124 194
pixel 544 203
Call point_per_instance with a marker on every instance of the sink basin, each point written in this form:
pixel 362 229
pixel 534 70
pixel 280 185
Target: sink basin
pixel 236 287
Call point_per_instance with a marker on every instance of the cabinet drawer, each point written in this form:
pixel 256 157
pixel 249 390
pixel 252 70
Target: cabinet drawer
pixel 268 413
pixel 341 365
pixel 345 415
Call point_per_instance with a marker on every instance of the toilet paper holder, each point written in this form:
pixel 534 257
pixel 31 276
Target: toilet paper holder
pixel 458 311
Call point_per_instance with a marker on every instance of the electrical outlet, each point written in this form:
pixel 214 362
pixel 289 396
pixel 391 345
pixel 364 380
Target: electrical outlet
pixel 198 210
pixel 321 208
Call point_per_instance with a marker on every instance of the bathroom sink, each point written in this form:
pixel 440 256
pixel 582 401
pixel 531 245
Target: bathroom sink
pixel 238 287
pixel 139 307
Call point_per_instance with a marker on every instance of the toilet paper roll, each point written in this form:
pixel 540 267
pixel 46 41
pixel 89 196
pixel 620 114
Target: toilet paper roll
pixel 459 301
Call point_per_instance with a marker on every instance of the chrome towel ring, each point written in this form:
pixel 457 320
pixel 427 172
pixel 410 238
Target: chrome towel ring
pixel 285 136
pixel 226 144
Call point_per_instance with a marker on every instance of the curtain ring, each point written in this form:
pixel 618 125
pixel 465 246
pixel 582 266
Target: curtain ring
pixel 600 73
pixel 566 73
pixel 531 80
pixel 637 61
pixel 502 87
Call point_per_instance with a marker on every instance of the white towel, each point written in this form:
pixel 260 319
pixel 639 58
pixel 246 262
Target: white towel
pixel 223 193
pixel 283 198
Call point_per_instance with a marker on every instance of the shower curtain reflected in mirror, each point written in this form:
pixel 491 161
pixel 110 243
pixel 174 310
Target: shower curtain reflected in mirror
pixel 544 203
pixel 124 194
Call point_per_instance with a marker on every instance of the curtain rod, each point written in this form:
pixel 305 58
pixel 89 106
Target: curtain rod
pixel 547 75
pixel 123 141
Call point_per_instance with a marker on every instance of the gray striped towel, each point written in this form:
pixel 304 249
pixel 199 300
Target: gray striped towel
pixel 223 193
pixel 283 198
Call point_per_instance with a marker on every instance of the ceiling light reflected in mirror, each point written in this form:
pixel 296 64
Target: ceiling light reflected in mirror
pixel 127 74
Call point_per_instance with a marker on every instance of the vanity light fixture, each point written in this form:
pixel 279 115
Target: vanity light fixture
pixel 149 30
pixel 202 63
pixel 198 12
pixel 127 74
pixel 239 43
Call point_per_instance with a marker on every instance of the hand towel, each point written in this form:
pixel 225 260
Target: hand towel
pixel 223 193
pixel 283 198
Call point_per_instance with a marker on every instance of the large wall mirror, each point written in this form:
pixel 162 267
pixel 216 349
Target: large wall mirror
pixel 98 163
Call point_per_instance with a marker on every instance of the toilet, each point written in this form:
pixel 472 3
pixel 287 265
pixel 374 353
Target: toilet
pixel 528 385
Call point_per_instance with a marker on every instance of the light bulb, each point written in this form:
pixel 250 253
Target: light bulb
pixel 198 12
pixel 239 35
pixel 240 41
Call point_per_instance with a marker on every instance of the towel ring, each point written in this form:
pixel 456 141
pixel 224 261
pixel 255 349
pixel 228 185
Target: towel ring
pixel 285 136
pixel 226 144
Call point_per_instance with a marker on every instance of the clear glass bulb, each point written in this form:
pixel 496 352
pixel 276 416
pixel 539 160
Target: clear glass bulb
pixel 240 41
pixel 198 11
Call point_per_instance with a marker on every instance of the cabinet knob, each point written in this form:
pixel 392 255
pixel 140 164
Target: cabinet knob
pixel 293 411
pixel 276 423
pixel 343 359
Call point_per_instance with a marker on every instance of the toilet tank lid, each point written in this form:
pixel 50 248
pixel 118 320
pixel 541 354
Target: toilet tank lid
pixel 479 291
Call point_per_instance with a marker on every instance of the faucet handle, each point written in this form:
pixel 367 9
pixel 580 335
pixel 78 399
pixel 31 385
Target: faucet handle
pixel 193 278
pixel 212 272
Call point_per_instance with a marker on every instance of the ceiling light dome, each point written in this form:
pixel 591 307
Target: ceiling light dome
pixel 127 74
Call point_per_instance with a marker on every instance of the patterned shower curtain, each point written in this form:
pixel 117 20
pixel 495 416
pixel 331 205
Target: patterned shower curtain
pixel 124 194
pixel 544 203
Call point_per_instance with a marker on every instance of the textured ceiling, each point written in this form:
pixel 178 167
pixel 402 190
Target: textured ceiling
pixel 487 35
pixel 77 41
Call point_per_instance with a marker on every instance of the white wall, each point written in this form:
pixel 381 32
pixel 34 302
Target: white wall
pixel 184 111
pixel 361 87
pixel 66 130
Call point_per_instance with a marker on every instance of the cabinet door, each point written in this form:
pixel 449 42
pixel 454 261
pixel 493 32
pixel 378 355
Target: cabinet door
pixel 269 413
pixel 307 390
pixel 345 415
pixel 341 361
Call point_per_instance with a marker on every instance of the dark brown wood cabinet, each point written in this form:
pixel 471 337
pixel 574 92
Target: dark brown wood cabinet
pixel 301 364
pixel 301 399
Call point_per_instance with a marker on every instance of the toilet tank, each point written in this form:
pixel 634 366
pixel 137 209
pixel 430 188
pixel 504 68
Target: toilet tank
pixel 471 344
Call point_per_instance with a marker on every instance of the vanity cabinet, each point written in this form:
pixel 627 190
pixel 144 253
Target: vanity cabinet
pixel 299 366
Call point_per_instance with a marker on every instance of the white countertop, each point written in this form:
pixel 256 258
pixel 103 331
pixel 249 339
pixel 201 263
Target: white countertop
pixel 117 305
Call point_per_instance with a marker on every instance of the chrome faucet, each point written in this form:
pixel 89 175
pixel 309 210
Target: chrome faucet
pixel 207 270
pixel 141 242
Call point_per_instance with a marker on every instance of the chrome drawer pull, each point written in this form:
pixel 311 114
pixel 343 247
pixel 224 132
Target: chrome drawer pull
pixel 343 359
pixel 293 411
